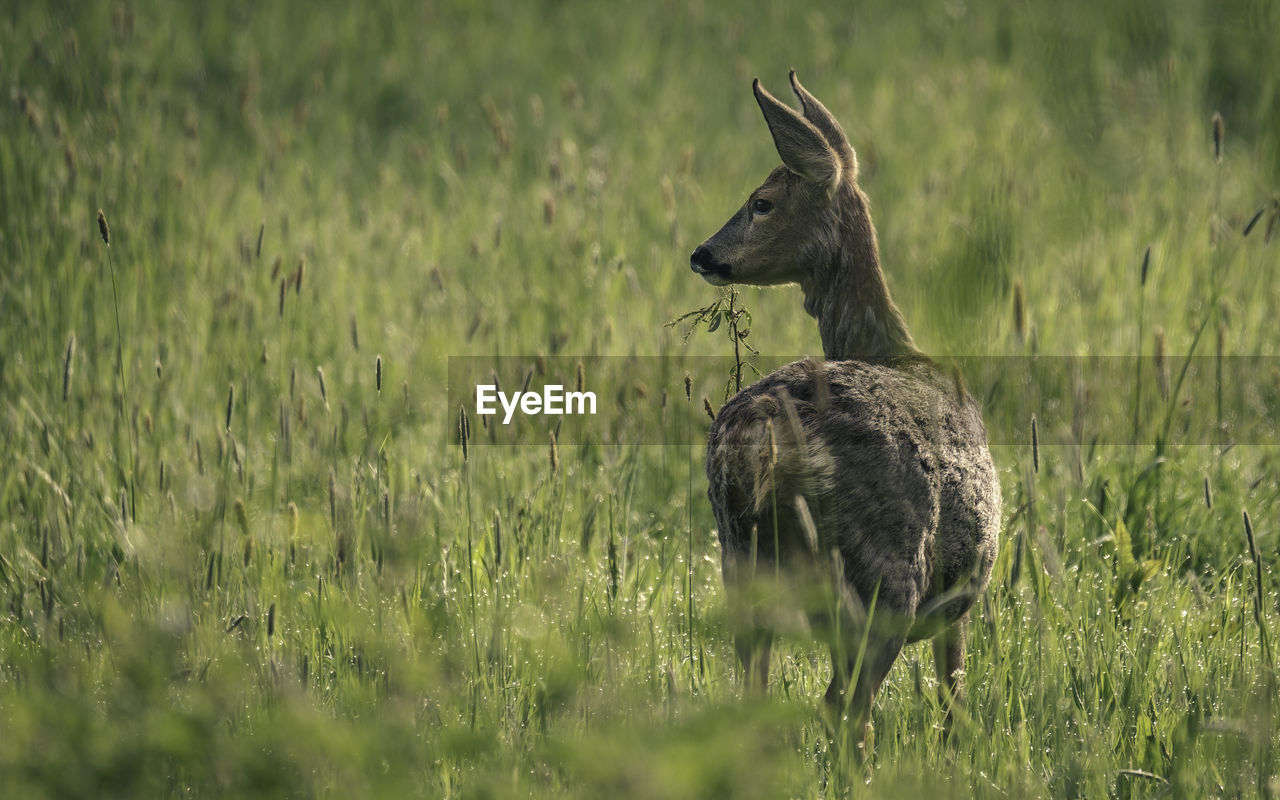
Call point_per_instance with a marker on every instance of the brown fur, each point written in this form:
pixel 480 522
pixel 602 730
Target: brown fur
pixel 871 466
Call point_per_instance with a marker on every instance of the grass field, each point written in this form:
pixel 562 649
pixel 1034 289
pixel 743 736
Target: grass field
pixel 242 554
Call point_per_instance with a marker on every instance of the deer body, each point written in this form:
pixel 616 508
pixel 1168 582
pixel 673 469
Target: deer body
pixel 870 470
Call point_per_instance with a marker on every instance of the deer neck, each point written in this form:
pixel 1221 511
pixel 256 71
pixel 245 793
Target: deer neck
pixel 847 294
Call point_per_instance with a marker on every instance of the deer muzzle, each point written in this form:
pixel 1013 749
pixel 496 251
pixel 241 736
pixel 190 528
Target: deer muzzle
pixel 704 263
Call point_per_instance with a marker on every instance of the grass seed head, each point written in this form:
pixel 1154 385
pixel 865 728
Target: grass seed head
pixel 35 118
pixel 554 455
pixel 1035 444
pixel 1162 364
pixel 773 443
pixel 66 367
pixel 1219 136
pixel 686 159
pixel 333 499
pixel 104 228
pixel 377 365
pixel 1019 310
pixel 464 430
pixel 1248 534
pixel 1257 215
pixel 231 401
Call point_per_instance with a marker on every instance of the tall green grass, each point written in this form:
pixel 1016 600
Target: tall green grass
pixel 301 589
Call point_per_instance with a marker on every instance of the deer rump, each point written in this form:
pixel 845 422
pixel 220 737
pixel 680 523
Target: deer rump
pixel 875 469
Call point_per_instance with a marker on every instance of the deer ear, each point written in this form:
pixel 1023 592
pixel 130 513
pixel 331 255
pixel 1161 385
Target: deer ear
pixel 803 148
pixel 826 123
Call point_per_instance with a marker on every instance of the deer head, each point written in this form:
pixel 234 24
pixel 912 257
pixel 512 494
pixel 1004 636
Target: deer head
pixel 785 224
pixel 809 223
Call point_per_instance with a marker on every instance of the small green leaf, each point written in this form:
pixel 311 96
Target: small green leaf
pixel 1125 563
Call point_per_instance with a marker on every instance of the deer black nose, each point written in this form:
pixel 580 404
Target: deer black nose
pixel 701 259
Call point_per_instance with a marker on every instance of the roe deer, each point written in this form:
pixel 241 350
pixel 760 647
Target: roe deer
pixel 871 466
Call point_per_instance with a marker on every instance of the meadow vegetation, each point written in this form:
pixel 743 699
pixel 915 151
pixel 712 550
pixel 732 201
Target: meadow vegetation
pixel 242 553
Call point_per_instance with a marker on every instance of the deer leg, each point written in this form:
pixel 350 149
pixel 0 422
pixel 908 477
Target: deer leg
pixel 877 660
pixel 753 648
pixel 752 641
pixel 948 661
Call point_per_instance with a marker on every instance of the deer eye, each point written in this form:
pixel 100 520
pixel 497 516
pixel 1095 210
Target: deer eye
pixel 761 206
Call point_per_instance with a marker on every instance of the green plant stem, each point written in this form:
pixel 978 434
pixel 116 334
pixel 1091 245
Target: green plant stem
pixel 124 387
